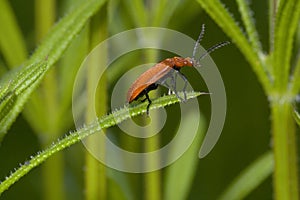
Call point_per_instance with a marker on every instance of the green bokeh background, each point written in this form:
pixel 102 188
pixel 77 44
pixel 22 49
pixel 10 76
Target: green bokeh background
pixel 245 137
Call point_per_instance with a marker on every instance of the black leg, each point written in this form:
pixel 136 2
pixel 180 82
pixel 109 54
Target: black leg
pixel 149 103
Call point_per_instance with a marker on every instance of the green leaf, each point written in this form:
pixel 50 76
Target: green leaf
pixel 184 169
pixel 16 91
pixel 250 178
pixel 63 33
pixel 295 80
pixel 11 41
pixel 102 123
pixel 159 14
pixel 25 81
pixel 224 19
pixel 246 13
pixel 285 29
pixel 138 12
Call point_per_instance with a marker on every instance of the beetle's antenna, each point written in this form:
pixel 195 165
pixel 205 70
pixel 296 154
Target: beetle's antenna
pixel 198 40
pixel 211 49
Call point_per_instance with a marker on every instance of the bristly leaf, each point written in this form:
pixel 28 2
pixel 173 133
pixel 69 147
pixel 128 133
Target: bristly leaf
pixel 104 122
pixel 223 18
pixel 17 90
pixel 248 21
pixel 285 29
pixel 23 82
pixel 295 80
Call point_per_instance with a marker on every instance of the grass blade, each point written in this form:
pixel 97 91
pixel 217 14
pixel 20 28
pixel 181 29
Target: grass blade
pixel 11 41
pixel 295 80
pixel 223 18
pixel 250 178
pixel 285 29
pixel 184 168
pixel 18 88
pixel 248 20
pixel 49 51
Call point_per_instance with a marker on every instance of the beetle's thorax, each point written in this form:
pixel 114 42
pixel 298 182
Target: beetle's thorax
pixel 178 62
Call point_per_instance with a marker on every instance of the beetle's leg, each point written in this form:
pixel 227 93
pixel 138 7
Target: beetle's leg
pixel 173 79
pixel 185 83
pixel 165 83
pixel 149 103
pixel 174 84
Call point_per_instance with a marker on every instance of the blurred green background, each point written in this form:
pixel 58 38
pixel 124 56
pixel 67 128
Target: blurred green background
pixel 245 137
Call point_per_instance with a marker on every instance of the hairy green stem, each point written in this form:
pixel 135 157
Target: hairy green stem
pixel 286 184
pixel 102 123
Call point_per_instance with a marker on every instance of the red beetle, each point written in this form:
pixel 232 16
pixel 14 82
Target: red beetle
pixel 168 68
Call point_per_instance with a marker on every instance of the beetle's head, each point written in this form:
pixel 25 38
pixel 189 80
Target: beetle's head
pixel 191 62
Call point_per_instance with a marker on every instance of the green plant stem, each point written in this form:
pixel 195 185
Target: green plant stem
pixel 152 179
pixel 95 175
pixel 250 178
pixel 101 123
pixel 249 24
pixel 295 80
pixel 287 20
pixel 12 44
pixel 286 184
pixel 53 174
pixel 222 17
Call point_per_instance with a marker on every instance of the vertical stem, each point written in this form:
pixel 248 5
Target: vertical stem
pixel 285 151
pixel 95 177
pixel 53 174
pixel 152 179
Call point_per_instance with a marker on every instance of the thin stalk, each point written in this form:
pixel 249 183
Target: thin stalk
pixel 295 80
pixel 53 171
pixel 12 43
pixel 138 12
pixel 101 123
pixel 286 184
pixel 95 176
pixel 152 179
pixel 250 178
pixel 222 17
pixel 272 16
pixel 248 21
